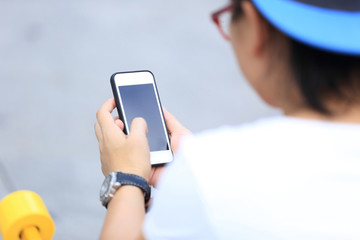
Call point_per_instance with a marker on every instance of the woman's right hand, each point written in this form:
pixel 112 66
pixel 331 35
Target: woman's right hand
pixel 176 131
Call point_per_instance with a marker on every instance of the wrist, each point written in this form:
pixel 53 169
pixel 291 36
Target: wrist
pixel 117 180
pixel 130 194
pixel 139 171
pixel 142 170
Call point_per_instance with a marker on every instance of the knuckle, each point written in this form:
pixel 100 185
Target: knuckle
pixel 98 114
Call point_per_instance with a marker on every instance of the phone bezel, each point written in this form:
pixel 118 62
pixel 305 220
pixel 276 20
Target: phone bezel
pixel 137 78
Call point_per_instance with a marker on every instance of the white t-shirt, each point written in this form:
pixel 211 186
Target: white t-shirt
pixel 277 178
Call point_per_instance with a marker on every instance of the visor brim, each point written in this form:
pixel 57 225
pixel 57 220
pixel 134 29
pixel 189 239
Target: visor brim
pixel 327 29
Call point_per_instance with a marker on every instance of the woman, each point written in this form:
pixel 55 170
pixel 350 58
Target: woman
pixel 290 177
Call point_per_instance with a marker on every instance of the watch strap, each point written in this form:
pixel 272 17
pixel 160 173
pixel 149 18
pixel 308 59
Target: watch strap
pixel 135 180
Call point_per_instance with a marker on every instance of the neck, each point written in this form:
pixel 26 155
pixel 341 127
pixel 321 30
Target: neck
pixel 342 113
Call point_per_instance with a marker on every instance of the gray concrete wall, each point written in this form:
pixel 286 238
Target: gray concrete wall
pixel 56 59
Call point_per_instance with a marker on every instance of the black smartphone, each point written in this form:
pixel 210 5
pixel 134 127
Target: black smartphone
pixel 136 95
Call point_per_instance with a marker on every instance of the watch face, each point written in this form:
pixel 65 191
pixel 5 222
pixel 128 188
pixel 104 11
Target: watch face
pixel 105 188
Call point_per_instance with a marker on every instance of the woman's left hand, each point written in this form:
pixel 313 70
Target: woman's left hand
pixel 120 152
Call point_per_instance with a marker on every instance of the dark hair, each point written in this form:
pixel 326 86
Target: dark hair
pixel 319 74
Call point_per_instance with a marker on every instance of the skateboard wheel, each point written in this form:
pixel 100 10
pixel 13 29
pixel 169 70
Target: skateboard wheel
pixel 23 210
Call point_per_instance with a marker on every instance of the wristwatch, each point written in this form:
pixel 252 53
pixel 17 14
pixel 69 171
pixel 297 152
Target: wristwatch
pixel 115 180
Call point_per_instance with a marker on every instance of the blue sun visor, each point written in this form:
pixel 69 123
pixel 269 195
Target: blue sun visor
pixel 335 27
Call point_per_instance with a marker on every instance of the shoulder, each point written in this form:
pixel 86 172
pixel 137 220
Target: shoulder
pixel 227 140
pixel 261 126
pixel 276 135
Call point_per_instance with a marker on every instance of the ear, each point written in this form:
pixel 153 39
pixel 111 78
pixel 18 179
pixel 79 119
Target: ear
pixel 258 29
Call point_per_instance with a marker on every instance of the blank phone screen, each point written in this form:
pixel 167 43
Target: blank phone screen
pixel 140 101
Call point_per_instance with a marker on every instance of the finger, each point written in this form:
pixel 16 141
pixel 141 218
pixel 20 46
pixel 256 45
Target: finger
pixel 119 123
pixel 104 117
pixel 138 127
pixel 98 132
pixel 173 125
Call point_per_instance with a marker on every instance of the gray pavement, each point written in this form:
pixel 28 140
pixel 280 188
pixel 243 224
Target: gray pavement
pixel 56 58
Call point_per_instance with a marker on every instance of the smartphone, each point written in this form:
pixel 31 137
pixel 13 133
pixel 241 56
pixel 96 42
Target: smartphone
pixel 136 95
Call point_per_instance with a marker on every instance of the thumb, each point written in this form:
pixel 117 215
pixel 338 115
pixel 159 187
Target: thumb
pixel 138 127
